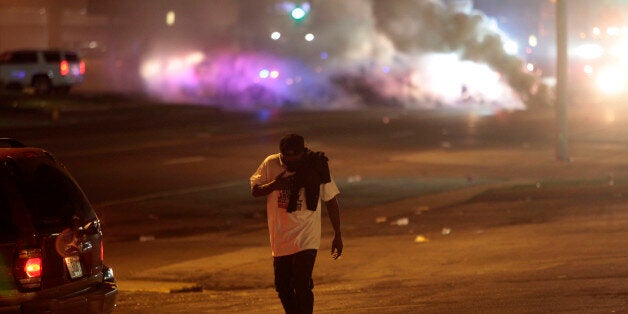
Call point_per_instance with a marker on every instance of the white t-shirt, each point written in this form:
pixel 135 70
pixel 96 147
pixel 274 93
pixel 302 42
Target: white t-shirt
pixel 291 232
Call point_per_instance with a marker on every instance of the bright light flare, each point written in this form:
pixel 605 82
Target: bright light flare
pixel 275 35
pixel 511 47
pixel 150 69
pixel 530 67
pixel 589 51
pixel 611 81
pixel 194 58
pixel 268 74
pixel 264 74
pixel 613 31
pixel 175 66
pixel 473 82
pixel 619 49
pixel 309 37
pixel 596 31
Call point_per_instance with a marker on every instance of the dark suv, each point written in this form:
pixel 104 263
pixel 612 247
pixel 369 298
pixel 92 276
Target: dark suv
pixel 51 245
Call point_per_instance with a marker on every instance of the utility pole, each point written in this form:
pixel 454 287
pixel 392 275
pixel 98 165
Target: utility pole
pixel 562 145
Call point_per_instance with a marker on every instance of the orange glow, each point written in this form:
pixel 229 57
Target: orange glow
pixel 82 67
pixel 33 267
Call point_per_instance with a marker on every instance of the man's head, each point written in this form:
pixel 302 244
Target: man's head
pixel 292 148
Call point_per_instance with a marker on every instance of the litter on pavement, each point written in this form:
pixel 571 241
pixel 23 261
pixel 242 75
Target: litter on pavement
pixel 421 239
pixel 400 222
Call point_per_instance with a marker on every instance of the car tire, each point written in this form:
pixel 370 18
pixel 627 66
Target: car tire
pixel 42 85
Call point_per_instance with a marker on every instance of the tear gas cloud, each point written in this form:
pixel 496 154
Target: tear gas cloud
pixel 406 53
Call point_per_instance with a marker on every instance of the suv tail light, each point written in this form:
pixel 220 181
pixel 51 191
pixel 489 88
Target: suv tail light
pixel 64 68
pixel 33 267
pixel 82 67
pixel 28 269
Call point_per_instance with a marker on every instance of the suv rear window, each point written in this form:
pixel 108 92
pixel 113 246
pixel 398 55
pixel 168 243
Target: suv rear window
pixel 23 57
pixel 52 57
pixel 53 199
pixel 71 56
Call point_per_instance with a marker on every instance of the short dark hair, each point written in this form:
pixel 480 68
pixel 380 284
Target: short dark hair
pixel 292 144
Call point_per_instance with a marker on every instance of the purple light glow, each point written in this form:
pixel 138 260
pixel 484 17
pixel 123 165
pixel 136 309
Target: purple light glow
pixel 231 80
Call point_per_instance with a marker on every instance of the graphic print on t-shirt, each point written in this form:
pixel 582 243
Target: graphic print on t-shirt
pixel 284 199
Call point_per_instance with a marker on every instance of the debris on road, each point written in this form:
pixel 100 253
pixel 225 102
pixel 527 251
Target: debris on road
pixel 421 239
pixel 147 238
pixel 421 209
pixel 401 222
pixel 354 179
pixel 381 219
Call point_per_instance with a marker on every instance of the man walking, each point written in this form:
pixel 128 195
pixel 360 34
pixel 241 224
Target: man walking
pixel 295 181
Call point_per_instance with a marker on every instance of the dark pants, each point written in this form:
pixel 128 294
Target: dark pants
pixel 293 281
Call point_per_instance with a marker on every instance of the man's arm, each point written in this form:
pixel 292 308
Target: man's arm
pixel 278 183
pixel 333 212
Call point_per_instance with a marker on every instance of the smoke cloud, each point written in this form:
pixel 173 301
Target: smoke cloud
pixel 410 53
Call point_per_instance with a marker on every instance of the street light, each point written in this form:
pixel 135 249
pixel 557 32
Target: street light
pixel 170 18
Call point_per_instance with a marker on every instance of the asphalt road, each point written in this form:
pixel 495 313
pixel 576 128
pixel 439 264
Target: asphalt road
pixel 131 151
pixel 494 222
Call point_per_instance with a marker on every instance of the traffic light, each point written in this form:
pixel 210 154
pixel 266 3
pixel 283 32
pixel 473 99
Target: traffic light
pixel 299 12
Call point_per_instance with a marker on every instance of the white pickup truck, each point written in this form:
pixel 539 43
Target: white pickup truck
pixel 42 70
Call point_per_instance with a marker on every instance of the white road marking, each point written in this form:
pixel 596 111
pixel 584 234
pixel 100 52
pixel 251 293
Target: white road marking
pixel 184 160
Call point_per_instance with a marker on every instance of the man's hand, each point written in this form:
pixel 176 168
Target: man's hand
pixel 334 217
pixel 336 247
pixel 279 183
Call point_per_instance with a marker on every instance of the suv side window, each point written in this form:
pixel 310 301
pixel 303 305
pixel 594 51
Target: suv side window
pixel 52 57
pixel 7 229
pixel 23 57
